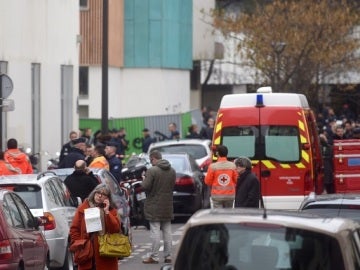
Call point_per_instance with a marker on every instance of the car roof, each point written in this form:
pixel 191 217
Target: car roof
pixel 337 198
pixel 181 141
pixel 25 178
pixel 285 218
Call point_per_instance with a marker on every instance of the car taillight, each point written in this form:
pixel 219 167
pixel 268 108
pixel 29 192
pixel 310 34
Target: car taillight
pixel 48 221
pixel 184 181
pixel 5 250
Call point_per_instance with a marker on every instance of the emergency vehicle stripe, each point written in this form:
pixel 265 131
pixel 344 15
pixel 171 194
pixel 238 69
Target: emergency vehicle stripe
pixel 303 139
pixel 285 166
pixel 305 156
pixel 301 125
pixel 300 165
pixel 268 164
pixel 218 127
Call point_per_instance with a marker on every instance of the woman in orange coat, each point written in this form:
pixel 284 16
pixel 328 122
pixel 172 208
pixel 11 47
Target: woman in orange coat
pixel 99 197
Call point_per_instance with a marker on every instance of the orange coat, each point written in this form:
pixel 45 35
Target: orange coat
pixel 19 160
pixel 222 177
pixel 100 162
pixel 78 231
pixel 7 169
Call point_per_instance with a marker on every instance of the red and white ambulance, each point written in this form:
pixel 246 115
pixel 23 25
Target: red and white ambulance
pixel 278 132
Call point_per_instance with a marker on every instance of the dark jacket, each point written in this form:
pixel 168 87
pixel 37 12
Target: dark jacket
pixel 159 184
pixel 65 150
pixel 70 160
pixel 247 190
pixel 80 184
pixel 115 167
pixel 146 143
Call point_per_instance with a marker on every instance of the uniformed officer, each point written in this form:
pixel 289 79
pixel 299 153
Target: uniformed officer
pixel 114 162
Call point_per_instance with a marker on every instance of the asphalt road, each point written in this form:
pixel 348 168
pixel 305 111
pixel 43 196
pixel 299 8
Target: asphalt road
pixel 142 245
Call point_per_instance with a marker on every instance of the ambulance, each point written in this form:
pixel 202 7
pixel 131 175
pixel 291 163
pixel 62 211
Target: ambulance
pixel 278 132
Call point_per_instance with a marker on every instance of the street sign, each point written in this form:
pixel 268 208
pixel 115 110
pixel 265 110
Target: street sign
pixel 7 105
pixel 6 85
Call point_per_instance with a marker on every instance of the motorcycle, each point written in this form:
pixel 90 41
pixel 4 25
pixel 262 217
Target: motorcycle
pixel 132 176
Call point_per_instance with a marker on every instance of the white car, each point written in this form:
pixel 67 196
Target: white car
pixel 45 196
pixel 199 149
pixel 254 239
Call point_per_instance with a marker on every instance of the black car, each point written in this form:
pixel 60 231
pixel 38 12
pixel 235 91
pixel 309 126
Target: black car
pixel 190 192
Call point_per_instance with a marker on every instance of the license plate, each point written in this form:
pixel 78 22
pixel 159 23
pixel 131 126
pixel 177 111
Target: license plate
pixel 141 196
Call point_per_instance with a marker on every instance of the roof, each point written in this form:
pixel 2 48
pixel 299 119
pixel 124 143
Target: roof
pixel 269 99
pixel 181 141
pixel 292 219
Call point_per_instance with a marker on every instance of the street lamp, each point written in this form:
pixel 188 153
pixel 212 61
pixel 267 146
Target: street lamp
pixel 278 48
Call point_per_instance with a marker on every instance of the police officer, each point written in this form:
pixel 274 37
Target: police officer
pixel 114 162
pixel 77 153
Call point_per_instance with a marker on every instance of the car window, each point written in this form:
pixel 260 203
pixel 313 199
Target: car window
pixel 60 186
pixel 13 211
pixel 240 246
pixel 24 211
pixel 31 194
pixel 59 199
pixel 179 164
pixel 196 151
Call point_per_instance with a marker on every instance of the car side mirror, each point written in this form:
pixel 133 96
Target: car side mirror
pixel 34 223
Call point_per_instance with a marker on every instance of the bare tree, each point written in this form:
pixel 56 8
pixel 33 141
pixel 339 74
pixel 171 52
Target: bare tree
pixel 295 44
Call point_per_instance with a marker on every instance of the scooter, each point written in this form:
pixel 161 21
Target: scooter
pixel 132 176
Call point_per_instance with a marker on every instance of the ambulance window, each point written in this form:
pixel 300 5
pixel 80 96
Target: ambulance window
pixel 282 143
pixel 240 140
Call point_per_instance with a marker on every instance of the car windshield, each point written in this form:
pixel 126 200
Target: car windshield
pixel 257 247
pixel 251 142
pixel 196 151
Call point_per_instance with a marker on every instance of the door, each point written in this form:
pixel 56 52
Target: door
pixel 272 138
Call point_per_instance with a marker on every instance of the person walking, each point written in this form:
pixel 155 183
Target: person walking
pixel 6 168
pixel 99 159
pixel 17 158
pixel 81 182
pixel 77 152
pixel 221 177
pixel 147 140
pixel 158 184
pixel 247 185
pixel 115 165
pixel 100 197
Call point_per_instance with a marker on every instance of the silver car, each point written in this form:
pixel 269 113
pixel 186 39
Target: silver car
pixel 254 239
pixel 45 196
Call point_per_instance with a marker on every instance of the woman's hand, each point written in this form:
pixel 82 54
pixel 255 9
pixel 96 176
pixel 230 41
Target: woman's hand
pixel 107 205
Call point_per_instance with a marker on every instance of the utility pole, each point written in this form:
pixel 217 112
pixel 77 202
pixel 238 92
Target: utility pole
pixel 105 77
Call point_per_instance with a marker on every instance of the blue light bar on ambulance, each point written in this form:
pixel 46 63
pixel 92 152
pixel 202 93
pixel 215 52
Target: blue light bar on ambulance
pixel 259 100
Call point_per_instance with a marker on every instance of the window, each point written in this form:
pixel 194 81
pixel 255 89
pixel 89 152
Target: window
pixel 279 143
pixel 84 4
pixel 239 246
pixel 84 81
pixel 25 212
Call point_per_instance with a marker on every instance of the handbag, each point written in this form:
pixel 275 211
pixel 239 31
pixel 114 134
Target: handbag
pixel 114 245
pixel 83 250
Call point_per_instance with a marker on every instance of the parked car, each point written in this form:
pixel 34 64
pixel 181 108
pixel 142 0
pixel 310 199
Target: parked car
pixel 119 195
pixel 333 205
pixel 197 148
pixel 22 244
pixel 190 192
pixel 256 239
pixel 45 196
